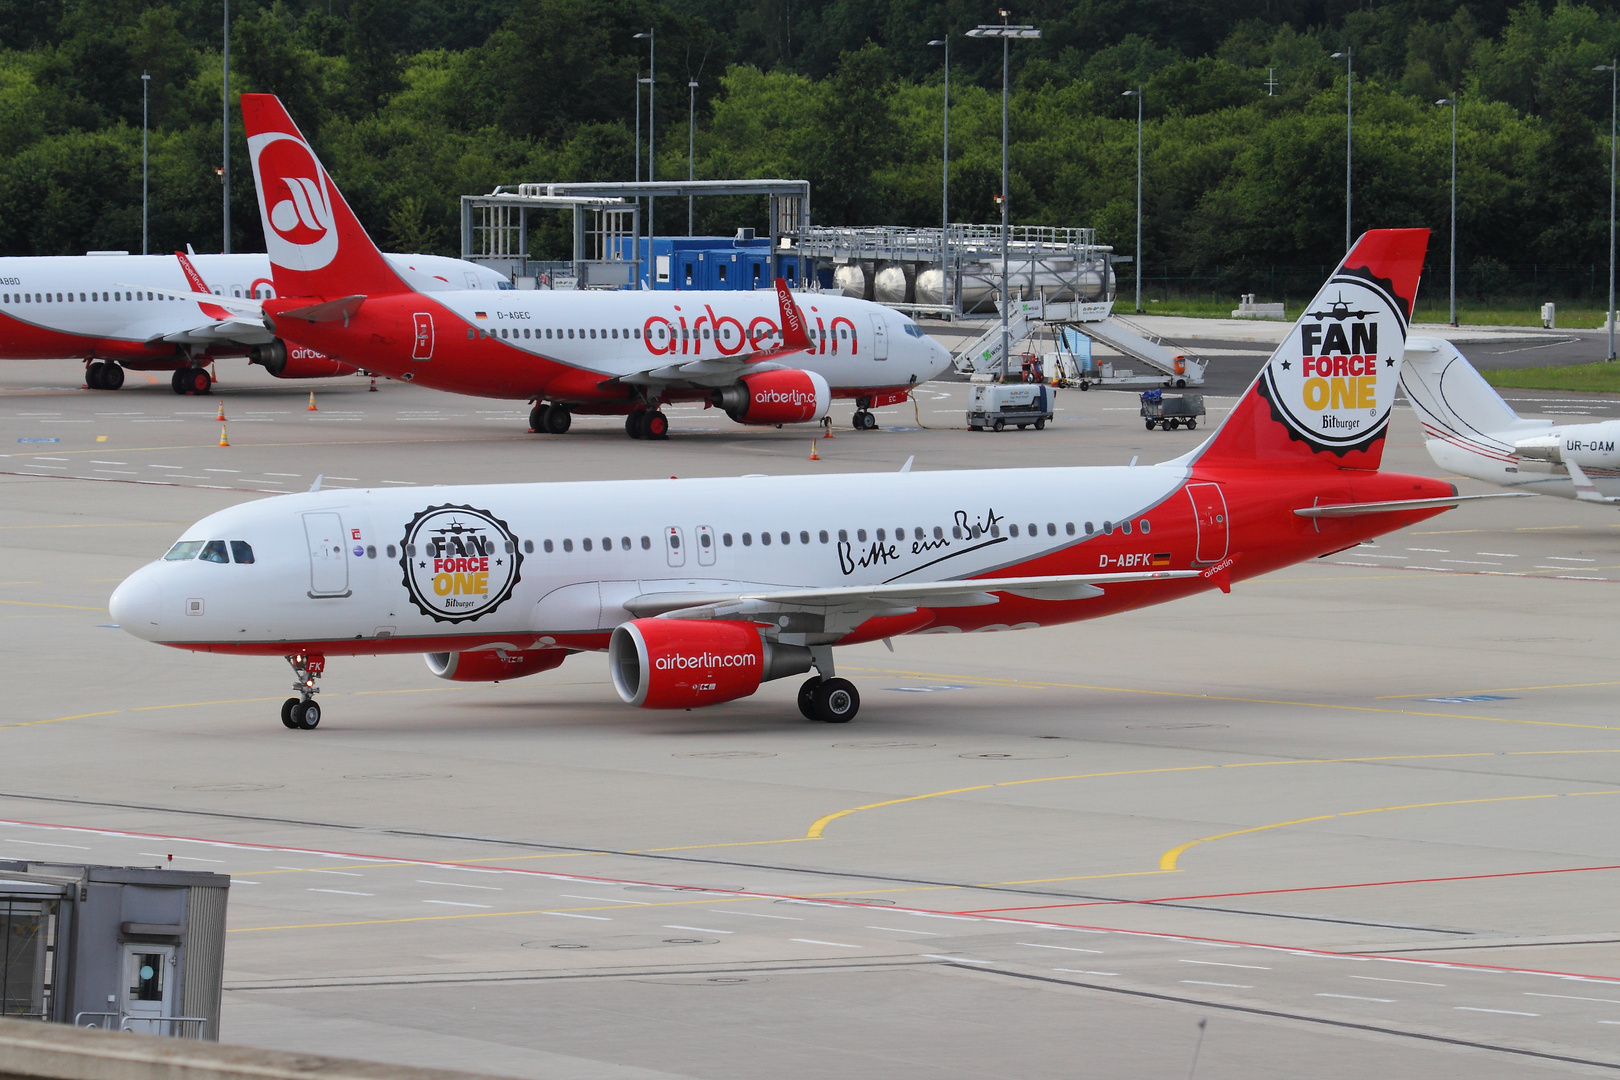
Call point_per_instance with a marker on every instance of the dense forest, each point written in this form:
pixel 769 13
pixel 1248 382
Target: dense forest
pixel 412 103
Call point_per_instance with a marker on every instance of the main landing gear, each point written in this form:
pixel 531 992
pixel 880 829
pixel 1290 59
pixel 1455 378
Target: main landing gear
pixel 191 380
pixel 304 712
pixel 104 375
pixel 831 701
pixel 550 419
pixel 646 424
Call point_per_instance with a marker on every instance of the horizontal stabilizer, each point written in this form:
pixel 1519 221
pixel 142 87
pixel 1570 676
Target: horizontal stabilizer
pixel 1395 506
pixel 327 311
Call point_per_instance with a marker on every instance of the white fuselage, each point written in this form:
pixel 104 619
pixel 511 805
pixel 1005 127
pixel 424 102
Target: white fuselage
pixel 584 549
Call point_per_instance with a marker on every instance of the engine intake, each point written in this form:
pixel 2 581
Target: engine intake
pixel 297 362
pixel 775 397
pixel 490 665
pixel 684 663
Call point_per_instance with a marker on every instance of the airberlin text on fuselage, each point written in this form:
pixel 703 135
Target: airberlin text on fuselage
pixel 1345 374
pixel 665 337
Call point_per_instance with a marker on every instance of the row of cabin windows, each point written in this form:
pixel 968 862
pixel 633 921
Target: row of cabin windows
pixel 101 297
pixel 662 334
pixel 785 537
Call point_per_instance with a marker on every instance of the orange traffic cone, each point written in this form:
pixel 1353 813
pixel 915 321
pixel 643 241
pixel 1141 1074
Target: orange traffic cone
pixel 223 441
pixel 813 455
pixel 221 416
pixel 826 427
pixel 374 384
pixel 312 401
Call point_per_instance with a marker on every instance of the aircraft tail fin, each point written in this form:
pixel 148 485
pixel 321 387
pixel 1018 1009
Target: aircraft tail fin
pixel 1454 402
pixel 1323 399
pixel 317 246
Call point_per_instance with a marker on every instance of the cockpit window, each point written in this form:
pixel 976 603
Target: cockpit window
pixel 214 551
pixel 241 551
pixel 185 549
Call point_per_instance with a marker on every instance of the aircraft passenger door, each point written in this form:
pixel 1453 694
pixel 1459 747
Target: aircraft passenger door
pixel 705 545
pixel 328 555
pixel 675 546
pixel 1209 512
pixel 148 988
pixel 880 338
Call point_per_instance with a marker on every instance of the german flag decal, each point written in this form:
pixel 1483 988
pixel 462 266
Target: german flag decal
pixel 1161 558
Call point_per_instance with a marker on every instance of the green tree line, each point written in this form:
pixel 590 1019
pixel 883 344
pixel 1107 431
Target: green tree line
pixel 412 104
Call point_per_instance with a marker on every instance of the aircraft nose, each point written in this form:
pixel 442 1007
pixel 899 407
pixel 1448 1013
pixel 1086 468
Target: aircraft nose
pixel 137 604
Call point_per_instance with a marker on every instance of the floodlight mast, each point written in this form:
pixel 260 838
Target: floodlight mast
pixel 1452 101
pixel 1137 94
pixel 945 174
pixel 1348 56
pixel 1006 32
pixel 1613 68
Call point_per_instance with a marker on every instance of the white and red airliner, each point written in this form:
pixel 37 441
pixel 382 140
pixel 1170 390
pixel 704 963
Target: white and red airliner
pixel 112 310
pixel 700 590
pixel 614 353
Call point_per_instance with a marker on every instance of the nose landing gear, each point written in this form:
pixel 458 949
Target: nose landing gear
pixel 304 712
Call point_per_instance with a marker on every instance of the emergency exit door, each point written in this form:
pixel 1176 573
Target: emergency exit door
pixel 1209 512
pixel 328 557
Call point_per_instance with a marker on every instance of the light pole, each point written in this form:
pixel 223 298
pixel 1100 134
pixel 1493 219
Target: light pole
pixel 146 86
pixel 1006 33
pixel 1349 91
pixel 652 126
pixel 1452 101
pixel 691 146
pixel 1137 94
pixel 639 81
pixel 225 114
pixel 1613 68
pixel 945 176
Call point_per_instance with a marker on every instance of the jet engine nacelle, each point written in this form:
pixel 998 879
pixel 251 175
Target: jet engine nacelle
pixel 297 362
pixel 683 663
pixel 776 397
pixel 488 665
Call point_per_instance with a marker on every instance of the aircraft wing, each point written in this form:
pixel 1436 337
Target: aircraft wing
pixel 233 331
pixel 839 610
pixel 719 371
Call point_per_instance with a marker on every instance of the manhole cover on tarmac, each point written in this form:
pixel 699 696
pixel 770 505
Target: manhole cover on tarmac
pixel 716 890
pixel 242 786
pixel 688 941
pixel 1172 727
pixel 725 754
pixel 991 756
pixel 398 776
pixel 553 945
pixel 863 900
pixel 882 745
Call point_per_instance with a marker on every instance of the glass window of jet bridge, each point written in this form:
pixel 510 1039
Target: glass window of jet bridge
pixel 214 551
pixel 185 549
pixel 242 551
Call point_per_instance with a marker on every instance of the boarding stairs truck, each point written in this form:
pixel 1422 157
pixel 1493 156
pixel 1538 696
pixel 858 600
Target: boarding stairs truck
pixel 1169 365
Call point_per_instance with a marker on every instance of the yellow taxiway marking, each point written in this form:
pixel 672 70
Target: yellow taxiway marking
pixel 1497 690
pixel 1039 684
pixel 1167 861
pixel 59 719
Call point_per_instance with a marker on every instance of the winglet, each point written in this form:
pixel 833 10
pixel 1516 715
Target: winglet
pixel 794 336
pixel 195 280
pixel 316 486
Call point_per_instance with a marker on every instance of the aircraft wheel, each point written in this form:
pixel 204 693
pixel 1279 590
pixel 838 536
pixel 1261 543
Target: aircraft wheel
pixel 537 417
pixel 871 422
pixel 807 698
pixel 195 381
pixel 1040 425
pixel 837 701
pixel 307 714
pixel 112 376
pixel 559 420
pixel 287 708
pixel 998 425
pixel 634 423
pixel 93 375
pixel 657 425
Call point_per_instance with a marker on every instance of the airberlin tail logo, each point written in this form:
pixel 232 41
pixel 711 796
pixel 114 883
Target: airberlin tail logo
pixel 460 563
pixel 295 202
pixel 1333 381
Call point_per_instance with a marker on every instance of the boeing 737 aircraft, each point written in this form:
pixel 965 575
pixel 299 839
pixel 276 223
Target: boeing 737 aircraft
pixel 1469 429
pixel 615 353
pixel 700 590
pixel 113 310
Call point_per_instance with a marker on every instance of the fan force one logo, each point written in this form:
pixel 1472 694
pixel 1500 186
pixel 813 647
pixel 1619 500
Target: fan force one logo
pixel 294 197
pixel 459 563
pixel 1333 381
